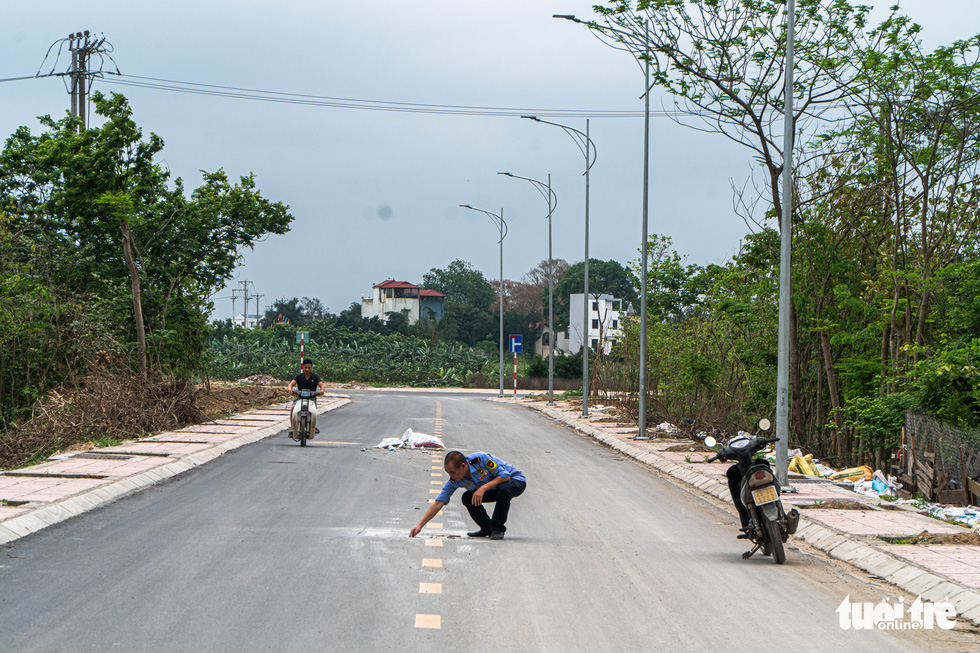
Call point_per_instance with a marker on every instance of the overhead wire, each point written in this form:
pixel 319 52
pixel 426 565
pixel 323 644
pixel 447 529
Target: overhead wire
pixel 239 93
pixel 233 92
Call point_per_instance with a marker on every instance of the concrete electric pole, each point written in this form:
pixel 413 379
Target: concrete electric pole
pixel 82 46
pixel 257 297
pixel 245 312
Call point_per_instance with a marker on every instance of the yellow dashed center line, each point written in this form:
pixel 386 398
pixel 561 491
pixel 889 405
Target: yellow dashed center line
pixel 428 621
pixel 433 621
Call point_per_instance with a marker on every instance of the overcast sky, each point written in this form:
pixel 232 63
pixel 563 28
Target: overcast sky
pixel 376 193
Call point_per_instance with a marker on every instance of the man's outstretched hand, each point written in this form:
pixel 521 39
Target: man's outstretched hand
pixel 415 531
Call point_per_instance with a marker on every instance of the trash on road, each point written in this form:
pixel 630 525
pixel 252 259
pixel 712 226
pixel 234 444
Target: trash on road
pixel 411 440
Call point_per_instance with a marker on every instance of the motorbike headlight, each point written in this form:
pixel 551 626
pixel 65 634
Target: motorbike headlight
pixel 760 477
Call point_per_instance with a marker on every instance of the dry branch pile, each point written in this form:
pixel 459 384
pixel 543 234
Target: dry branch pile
pixel 102 406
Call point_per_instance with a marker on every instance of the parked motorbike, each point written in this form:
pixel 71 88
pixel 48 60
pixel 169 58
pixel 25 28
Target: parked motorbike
pixel 303 419
pixel 769 525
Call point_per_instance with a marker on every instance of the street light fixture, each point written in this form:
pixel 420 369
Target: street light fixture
pixel 552 199
pixel 642 394
pixel 498 221
pixel 587 147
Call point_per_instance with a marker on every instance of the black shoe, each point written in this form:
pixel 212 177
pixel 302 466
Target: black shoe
pixel 744 534
pixel 497 535
pixel 480 533
pixel 318 431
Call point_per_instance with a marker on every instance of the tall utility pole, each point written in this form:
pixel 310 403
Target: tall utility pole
pixel 257 297
pixel 233 298
pixel 245 312
pixel 785 255
pixel 82 46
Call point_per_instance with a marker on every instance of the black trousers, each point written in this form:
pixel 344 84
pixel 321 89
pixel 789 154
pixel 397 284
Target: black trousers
pixel 501 495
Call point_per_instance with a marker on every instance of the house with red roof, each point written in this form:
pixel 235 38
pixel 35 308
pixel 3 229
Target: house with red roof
pixel 392 296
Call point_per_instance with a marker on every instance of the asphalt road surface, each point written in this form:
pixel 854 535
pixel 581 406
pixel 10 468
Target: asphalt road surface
pixel 279 548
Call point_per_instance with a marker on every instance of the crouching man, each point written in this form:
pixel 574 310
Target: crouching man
pixel 486 479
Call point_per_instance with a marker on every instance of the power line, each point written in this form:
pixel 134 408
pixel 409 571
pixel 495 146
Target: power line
pixel 215 90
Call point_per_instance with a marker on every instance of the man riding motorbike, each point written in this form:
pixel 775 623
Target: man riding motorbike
pixel 306 380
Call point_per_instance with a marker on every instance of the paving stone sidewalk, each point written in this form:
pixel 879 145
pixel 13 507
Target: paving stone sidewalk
pixel 69 484
pixel 863 538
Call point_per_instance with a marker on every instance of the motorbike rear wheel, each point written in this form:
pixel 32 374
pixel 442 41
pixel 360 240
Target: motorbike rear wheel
pixel 304 427
pixel 775 541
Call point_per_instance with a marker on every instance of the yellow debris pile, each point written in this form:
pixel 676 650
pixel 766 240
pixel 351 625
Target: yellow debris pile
pixel 862 473
pixel 803 465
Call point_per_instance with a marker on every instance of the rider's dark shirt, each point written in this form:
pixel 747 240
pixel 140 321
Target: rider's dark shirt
pixel 302 383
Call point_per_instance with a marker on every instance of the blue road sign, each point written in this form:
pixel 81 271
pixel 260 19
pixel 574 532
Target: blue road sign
pixel 516 343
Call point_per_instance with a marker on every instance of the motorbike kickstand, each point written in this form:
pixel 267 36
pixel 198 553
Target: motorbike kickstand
pixel 748 554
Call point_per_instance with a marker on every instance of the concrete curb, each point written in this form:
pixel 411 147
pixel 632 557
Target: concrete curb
pixel 53 513
pixel 836 544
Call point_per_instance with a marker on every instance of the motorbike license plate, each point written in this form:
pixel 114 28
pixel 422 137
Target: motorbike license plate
pixel 765 495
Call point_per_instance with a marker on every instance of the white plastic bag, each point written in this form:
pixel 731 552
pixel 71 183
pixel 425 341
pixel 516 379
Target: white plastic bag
pixel 413 440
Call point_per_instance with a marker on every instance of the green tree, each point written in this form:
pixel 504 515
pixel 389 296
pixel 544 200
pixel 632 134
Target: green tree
pixel 673 289
pixel 296 312
pixel 118 233
pixel 723 63
pixel 468 299
pixel 461 284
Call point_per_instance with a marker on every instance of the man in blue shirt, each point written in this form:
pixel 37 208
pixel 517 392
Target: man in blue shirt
pixel 486 479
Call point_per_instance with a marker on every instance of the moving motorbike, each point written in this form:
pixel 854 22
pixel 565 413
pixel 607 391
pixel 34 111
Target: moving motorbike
pixel 769 525
pixel 303 420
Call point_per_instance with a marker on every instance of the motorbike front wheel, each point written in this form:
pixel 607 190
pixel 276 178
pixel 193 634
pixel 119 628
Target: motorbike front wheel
pixel 775 541
pixel 304 426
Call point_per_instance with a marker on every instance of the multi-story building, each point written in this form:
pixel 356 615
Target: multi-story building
pixel 392 296
pixel 605 324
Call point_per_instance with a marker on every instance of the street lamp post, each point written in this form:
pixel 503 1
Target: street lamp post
pixel 498 221
pixel 552 199
pixel 785 252
pixel 642 408
pixel 587 147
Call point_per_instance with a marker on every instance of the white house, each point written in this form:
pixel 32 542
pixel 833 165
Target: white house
pixel 392 296
pixel 247 321
pixel 605 324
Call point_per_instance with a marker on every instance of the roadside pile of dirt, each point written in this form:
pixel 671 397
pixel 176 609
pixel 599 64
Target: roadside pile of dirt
pixel 925 537
pixel 690 446
pixel 223 401
pixel 837 504
pixel 262 379
pixel 109 407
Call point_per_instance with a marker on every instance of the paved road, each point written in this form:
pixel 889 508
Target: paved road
pixel 274 547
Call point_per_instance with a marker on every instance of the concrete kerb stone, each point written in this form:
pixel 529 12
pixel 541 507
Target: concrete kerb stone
pixel 972 614
pixel 944 591
pixel 904 576
pixel 969 600
pixel 48 515
pixel 881 564
pixel 923 583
